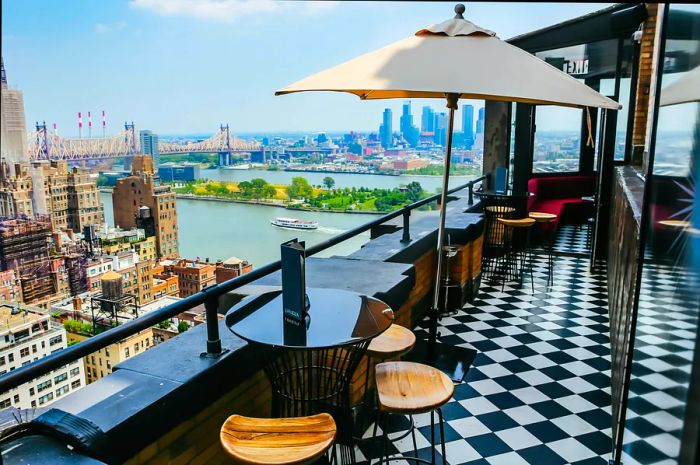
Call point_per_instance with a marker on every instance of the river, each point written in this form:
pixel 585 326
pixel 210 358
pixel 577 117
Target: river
pixel 219 230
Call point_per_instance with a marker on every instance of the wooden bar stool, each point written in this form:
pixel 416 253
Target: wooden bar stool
pixel 519 254
pixel 392 343
pixel 409 388
pixel 277 441
pixel 495 247
pixel 546 220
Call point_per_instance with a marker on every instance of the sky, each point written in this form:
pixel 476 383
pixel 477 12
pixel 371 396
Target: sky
pixel 185 66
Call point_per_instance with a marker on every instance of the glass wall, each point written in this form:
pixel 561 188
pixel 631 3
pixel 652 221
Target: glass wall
pixel 606 66
pixel 557 140
pixel 666 335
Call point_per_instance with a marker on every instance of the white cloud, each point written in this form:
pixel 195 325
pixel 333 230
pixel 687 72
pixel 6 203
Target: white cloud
pixel 102 28
pixel 226 10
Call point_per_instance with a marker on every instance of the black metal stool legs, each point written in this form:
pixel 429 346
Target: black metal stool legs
pixel 385 446
pixel 550 259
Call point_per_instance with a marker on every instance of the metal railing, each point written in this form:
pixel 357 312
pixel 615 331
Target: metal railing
pixel 209 297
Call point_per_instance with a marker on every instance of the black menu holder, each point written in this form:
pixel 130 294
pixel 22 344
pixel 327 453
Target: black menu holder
pixel 294 300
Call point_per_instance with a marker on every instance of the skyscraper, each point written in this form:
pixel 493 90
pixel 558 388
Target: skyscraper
pixel 386 134
pixel 149 145
pixel 468 125
pixel 408 130
pixel 480 122
pixel 13 127
pixel 427 120
pixel 440 125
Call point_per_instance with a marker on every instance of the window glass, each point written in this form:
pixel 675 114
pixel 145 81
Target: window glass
pixel 666 333
pixel 557 139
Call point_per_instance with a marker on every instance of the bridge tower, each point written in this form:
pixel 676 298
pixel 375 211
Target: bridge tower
pixel 42 141
pixel 130 141
pixel 225 157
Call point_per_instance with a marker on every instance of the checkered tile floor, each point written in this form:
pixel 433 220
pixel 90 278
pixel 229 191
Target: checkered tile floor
pixel 539 389
pixel 571 238
pixel 665 339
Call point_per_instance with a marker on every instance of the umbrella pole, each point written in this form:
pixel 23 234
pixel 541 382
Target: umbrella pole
pixel 434 311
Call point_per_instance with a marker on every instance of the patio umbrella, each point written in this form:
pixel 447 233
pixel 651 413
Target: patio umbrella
pixel 452 60
pixel 684 90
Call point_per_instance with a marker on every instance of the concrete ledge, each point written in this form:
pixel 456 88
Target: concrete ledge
pixel 150 394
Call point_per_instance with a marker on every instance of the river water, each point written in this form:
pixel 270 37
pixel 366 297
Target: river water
pixel 219 230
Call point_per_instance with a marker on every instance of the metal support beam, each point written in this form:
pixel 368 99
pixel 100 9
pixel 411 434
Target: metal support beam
pixel 406 237
pixel 524 145
pixel 213 337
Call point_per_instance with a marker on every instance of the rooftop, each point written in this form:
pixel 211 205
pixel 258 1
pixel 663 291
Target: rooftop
pixel 14 316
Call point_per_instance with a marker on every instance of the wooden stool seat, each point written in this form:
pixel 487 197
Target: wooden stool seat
pixel 410 388
pixel 542 217
pixel 277 441
pixel 393 342
pixel 499 209
pixel 520 223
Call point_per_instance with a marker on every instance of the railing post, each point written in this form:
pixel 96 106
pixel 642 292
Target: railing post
pixel 406 238
pixel 471 193
pixel 213 338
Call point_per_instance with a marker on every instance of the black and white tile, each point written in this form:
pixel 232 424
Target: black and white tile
pixel 663 354
pixel 539 389
pixel 572 239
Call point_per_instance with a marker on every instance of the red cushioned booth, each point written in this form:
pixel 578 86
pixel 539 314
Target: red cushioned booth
pixel 561 196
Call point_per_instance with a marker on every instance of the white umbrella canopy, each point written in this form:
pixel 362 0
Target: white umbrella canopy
pixel 684 90
pixel 454 57
pixel 452 60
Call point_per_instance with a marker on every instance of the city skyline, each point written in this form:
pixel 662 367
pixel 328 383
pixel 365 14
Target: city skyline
pixel 156 60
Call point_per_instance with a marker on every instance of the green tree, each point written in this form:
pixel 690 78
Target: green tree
pixel 182 326
pixel 299 188
pixel 165 324
pixel 269 191
pixel 78 327
pixel 328 182
pixel 414 191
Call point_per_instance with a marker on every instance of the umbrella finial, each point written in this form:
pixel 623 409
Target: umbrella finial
pixel 459 10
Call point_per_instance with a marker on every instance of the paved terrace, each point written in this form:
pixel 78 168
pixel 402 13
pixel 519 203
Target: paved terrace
pixel 539 389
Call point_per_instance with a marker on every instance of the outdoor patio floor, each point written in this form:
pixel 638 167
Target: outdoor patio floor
pixel 539 389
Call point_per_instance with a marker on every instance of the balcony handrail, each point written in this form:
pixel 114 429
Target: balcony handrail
pixel 208 297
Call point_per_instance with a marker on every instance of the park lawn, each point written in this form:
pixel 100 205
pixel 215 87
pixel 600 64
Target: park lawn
pixel 367 205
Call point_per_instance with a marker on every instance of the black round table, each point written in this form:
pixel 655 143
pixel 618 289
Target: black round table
pixel 310 365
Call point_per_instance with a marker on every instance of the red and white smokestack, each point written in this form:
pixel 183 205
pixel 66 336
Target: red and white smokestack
pixel 55 131
pixel 89 125
pixel 80 125
pixel 104 123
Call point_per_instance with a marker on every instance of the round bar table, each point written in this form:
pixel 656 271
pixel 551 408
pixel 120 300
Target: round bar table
pixel 311 365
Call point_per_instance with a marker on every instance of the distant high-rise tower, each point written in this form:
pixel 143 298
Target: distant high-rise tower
pixel 408 130
pixel 480 122
pixel 386 133
pixel 440 136
pixel 427 120
pixel 13 127
pixel 468 125
pixel 149 145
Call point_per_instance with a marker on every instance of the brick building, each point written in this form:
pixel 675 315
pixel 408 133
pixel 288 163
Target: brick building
pixel 231 268
pixel 193 276
pixel 143 189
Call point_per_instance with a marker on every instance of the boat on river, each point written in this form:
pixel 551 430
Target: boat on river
pixel 294 223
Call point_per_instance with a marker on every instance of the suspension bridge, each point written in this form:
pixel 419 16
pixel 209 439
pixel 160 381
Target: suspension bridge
pixel 45 145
